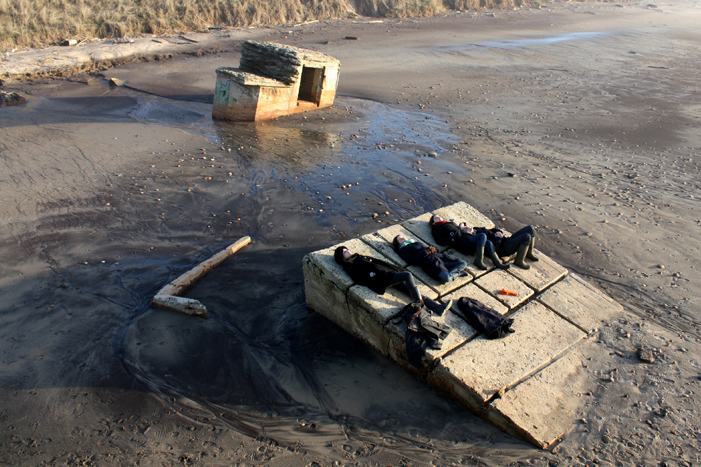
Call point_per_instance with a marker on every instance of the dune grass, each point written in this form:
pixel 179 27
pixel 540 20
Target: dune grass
pixel 38 23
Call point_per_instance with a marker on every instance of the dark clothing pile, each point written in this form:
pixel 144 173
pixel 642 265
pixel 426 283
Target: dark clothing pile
pixel 422 332
pixel 439 266
pixel 371 272
pixel 484 319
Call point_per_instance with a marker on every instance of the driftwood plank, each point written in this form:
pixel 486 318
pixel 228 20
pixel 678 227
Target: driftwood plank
pixel 168 298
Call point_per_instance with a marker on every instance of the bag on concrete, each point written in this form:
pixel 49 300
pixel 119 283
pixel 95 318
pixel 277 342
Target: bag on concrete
pixel 484 319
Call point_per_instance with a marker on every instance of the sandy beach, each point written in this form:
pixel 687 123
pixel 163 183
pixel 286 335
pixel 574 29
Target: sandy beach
pixel 581 119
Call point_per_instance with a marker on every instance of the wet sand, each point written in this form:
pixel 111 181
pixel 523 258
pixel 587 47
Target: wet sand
pixel 579 118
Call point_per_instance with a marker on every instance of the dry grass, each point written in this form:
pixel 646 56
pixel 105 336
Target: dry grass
pixel 37 23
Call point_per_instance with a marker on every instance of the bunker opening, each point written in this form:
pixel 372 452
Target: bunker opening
pixel 310 84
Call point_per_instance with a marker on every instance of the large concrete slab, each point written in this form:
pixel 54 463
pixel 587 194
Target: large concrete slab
pixel 483 367
pixel 325 295
pixel 499 279
pixel 541 409
pixel 535 371
pixel 580 303
pixel 542 274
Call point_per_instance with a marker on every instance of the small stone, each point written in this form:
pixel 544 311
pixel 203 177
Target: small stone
pixel 374 215
pixel 646 355
pixel 10 98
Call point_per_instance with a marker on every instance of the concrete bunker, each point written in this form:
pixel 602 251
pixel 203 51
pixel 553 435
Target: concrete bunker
pixel 274 80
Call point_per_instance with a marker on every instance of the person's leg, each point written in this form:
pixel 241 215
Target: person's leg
pixel 492 254
pixel 454 265
pixel 480 240
pixel 510 245
pixel 407 280
pixel 529 254
pixel 523 242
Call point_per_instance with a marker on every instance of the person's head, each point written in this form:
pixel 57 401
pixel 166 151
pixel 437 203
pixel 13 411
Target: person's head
pixel 398 242
pixel 341 254
pixel 466 228
pixel 434 220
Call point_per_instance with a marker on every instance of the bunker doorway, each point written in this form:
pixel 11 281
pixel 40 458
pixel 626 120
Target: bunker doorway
pixel 310 84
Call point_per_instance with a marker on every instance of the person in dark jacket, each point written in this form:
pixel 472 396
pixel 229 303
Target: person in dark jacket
pixel 521 243
pixel 378 275
pixel 465 240
pixel 439 266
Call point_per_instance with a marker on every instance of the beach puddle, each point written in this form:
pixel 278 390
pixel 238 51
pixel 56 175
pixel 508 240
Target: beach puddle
pixel 521 43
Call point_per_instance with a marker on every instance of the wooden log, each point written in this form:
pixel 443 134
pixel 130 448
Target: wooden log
pixel 167 297
pixel 177 286
pixel 188 306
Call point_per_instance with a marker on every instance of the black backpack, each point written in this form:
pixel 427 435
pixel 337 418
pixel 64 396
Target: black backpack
pixel 484 319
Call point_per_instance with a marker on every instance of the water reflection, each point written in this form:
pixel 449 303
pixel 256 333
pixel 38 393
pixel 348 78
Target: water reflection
pixel 266 144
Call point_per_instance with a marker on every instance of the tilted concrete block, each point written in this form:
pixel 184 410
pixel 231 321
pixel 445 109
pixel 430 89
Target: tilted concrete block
pixel 526 383
pixel 541 409
pixel 484 367
pixel 580 303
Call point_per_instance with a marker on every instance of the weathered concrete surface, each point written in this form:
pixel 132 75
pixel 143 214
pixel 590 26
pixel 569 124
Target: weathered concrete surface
pixel 543 407
pixel 580 303
pixel 488 366
pixel 280 61
pixel 499 279
pixel 526 383
pixel 463 212
pixel 542 273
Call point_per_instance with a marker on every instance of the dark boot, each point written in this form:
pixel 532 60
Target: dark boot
pixel 521 256
pixel 479 258
pixel 436 307
pixel 530 254
pixel 497 262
